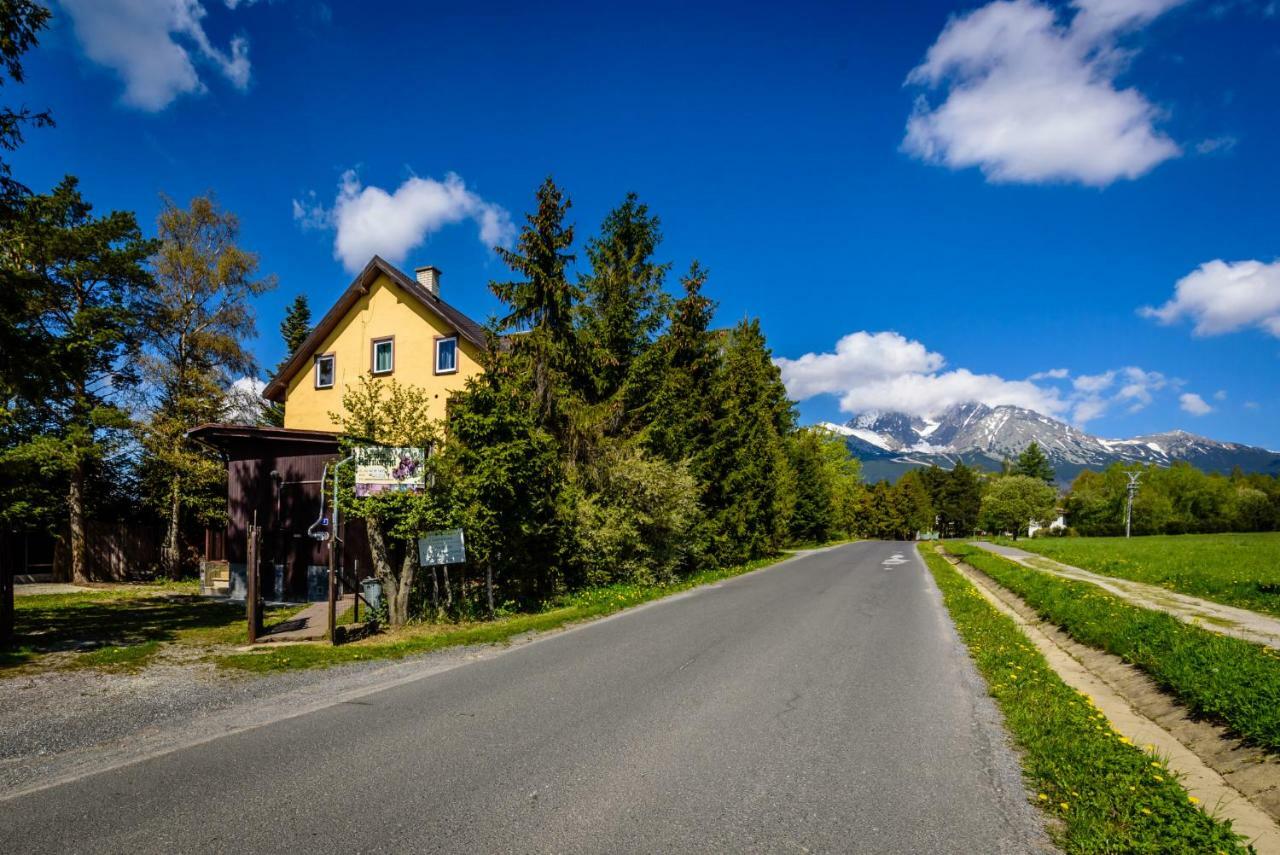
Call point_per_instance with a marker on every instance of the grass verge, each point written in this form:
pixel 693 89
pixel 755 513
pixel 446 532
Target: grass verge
pixel 1240 570
pixel 423 638
pixel 1102 794
pixel 1225 678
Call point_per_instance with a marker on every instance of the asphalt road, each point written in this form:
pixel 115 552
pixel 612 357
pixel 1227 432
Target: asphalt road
pixel 822 705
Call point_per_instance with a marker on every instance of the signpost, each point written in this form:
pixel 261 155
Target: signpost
pixel 437 548
pixel 388 469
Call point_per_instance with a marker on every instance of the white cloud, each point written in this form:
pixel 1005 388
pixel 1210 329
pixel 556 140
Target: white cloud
pixel 887 371
pixel 244 404
pixel 370 221
pixel 1215 145
pixel 154 46
pixel 1192 403
pixel 1220 395
pixel 1225 296
pixel 1031 98
pixel 1091 383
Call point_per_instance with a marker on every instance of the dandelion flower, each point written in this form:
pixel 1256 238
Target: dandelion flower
pixel 1193 800
pixel 1043 797
pixel 1063 805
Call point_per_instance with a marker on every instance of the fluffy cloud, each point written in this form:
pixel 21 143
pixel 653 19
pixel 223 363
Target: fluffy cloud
pixel 1225 296
pixel 154 46
pixel 1031 98
pixel 369 221
pixel 887 371
pixel 1192 403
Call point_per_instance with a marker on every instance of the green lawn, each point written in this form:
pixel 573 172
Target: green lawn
pixel 1233 681
pixel 121 626
pixel 1234 569
pixel 1101 793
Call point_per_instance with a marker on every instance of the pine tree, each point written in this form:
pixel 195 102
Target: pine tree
pixel 812 520
pixel 89 284
pixel 669 392
pixel 543 305
pixel 747 478
pixel 294 330
pixel 1033 463
pixel 624 301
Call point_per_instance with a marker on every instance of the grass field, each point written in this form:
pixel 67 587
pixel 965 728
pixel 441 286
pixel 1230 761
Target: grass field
pixel 1101 794
pixel 1234 569
pixel 1233 681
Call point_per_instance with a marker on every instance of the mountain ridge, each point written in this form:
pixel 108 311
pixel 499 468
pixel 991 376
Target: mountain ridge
pixel 890 443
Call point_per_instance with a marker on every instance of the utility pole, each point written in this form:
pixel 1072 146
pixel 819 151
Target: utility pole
pixel 1132 490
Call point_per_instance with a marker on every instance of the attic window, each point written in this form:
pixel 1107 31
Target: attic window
pixel 383 359
pixel 447 355
pixel 324 371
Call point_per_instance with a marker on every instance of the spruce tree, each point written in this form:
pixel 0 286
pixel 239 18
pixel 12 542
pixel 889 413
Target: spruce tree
pixel 747 478
pixel 543 304
pixel 1033 463
pixel 669 392
pixel 624 301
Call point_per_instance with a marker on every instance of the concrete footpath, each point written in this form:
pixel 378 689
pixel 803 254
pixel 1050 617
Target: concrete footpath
pixel 1215 617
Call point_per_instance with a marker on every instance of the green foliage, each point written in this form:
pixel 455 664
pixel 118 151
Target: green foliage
pixel 635 518
pixel 1178 499
pixel 1033 464
pixel 86 282
pixel 1236 569
pixel 624 302
pixel 197 318
pixel 1214 675
pixel 748 484
pixel 898 511
pixel 956 496
pixel 1012 502
pixel 1102 794
pixel 543 305
pixel 510 485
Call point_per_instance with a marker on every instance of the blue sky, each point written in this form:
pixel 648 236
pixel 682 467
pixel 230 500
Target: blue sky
pixel 975 200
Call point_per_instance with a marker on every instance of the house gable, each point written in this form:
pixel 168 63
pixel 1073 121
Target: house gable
pixel 382 304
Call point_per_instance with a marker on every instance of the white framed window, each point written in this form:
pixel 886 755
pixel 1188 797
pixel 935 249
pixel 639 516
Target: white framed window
pixel 325 364
pixel 383 358
pixel 447 355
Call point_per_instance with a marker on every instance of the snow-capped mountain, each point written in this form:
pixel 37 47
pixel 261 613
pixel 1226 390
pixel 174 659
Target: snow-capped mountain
pixel 890 443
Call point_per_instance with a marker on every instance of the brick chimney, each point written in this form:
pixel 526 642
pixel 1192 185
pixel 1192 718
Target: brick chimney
pixel 429 278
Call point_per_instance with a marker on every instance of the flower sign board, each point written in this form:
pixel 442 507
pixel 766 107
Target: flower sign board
pixel 386 469
pixel 442 547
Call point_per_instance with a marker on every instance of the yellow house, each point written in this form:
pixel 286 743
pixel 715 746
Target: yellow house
pixel 385 325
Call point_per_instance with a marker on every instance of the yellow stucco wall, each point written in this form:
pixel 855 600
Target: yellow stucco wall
pixel 384 311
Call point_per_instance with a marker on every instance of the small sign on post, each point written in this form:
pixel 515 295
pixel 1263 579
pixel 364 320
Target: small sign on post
pixel 387 469
pixel 442 547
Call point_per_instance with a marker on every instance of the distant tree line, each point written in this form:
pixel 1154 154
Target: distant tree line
pixel 1178 499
